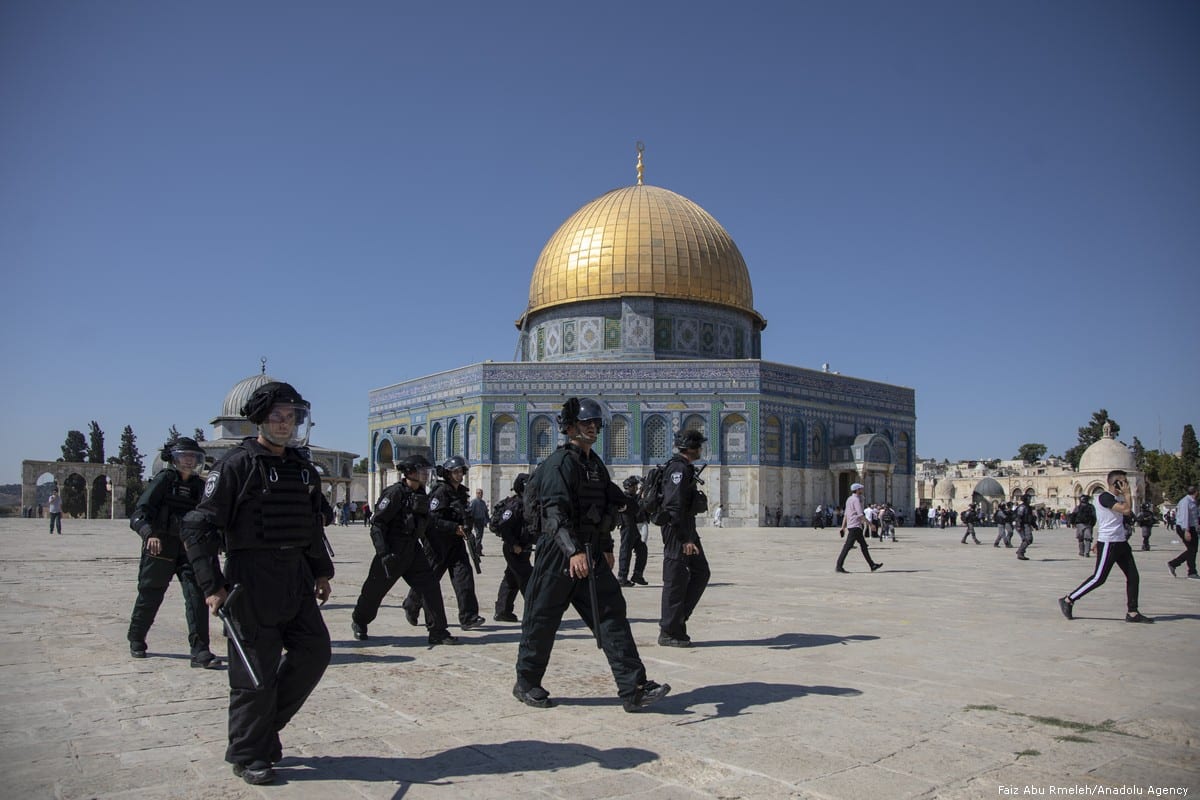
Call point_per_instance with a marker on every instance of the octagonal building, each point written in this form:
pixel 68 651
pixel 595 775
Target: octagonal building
pixel 642 300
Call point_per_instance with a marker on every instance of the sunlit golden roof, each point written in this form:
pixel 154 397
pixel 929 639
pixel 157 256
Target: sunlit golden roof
pixel 641 240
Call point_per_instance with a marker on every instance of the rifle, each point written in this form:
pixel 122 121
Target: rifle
pixel 469 540
pixel 233 633
pixel 591 579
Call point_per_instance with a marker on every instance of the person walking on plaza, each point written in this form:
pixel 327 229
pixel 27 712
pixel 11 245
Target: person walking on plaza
pixel 718 516
pixel 508 522
pixel 449 542
pixel 262 506
pixel 1084 516
pixel 1187 525
pixel 401 520
pixel 54 504
pixel 1025 523
pixel 573 503
pixel 970 517
pixel 1112 546
pixel 158 519
pixel 685 567
pixel 852 529
pixel 1145 520
pixel 478 511
pixel 631 538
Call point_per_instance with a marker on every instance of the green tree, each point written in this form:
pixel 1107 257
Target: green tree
pixel 1189 450
pixel 362 466
pixel 173 434
pixel 95 453
pixel 1089 434
pixel 133 461
pixel 1031 452
pixel 198 435
pixel 74 449
pixel 1139 454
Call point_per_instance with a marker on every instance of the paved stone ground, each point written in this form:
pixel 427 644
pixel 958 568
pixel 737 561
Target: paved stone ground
pixel 949 673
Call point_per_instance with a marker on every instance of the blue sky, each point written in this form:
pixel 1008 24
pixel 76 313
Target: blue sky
pixel 994 203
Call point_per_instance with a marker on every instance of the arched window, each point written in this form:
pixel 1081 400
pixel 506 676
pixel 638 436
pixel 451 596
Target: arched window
pixel 383 454
pixel 436 442
pixel 541 438
pixel 735 445
pixel 695 422
pixel 818 450
pixel 504 438
pixel 655 440
pixel 472 439
pixel 771 438
pixel 455 438
pixel 618 438
pixel 796 442
pixel 902 451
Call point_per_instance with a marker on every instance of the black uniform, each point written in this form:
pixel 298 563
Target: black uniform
pixel 448 505
pixel 578 506
pixel 401 518
pixel 159 513
pixel 631 541
pixel 517 566
pixel 268 509
pixel 970 517
pixel 1026 521
pixel 684 577
pixel 1145 521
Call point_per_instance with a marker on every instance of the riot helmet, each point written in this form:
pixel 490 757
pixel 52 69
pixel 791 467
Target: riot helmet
pixel 631 483
pixel 518 484
pixel 283 417
pixel 184 453
pixel 416 468
pixel 578 409
pixel 689 439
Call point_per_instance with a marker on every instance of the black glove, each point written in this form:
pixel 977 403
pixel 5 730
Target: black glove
pixel 391 565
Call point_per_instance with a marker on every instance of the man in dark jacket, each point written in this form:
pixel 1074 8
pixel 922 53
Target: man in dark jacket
pixel 685 569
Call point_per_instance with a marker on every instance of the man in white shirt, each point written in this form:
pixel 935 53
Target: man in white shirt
pixel 1187 526
pixel 853 521
pixel 1111 547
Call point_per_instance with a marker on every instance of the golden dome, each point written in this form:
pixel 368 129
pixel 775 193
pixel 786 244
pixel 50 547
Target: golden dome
pixel 641 241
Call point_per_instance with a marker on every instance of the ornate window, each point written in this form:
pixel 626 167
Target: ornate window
pixel 771 437
pixel 735 437
pixel 541 438
pixel 796 442
pixel 455 439
pixel 435 441
pixel 655 440
pixel 472 439
pixel 618 438
pixel 504 438
pixel 817 452
pixel 695 422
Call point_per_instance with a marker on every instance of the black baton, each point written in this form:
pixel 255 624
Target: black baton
pixel 591 578
pixel 233 634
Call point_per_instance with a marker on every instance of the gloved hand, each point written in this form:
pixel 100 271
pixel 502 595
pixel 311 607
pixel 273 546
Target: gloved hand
pixel 391 565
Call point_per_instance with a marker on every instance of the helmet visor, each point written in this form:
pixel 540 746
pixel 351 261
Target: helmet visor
pixel 189 459
pixel 287 425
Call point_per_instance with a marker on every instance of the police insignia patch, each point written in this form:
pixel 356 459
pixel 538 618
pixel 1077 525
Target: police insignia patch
pixel 382 504
pixel 676 478
pixel 210 485
pixel 506 515
pixel 434 503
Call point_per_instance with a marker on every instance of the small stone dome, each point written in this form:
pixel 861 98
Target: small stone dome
pixel 944 490
pixel 989 487
pixel 241 392
pixel 1107 454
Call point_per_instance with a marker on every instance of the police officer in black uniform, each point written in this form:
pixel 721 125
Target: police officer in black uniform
pixel 508 522
pixel 1025 521
pixel 401 521
pixel 685 569
pixel 1084 519
pixel 262 505
pixel 970 517
pixel 573 503
pixel 631 537
pixel 173 492
pixel 449 541
pixel 1145 520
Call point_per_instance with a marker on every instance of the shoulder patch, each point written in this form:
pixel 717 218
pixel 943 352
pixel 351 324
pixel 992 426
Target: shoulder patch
pixel 506 515
pixel 383 503
pixel 210 485
pixel 434 503
pixel 676 478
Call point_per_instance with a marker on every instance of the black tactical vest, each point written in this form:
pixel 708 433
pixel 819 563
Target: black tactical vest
pixel 181 497
pixel 592 496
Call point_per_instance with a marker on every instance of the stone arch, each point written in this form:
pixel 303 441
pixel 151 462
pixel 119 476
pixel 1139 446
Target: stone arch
pixel 796 442
pixel 114 475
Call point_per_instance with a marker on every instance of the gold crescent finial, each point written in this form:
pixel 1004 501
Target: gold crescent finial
pixel 641 148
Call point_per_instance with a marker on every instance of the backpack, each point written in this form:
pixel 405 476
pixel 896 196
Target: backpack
pixel 650 496
pixel 504 515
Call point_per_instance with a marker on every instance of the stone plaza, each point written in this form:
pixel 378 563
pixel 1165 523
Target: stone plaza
pixel 949 673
